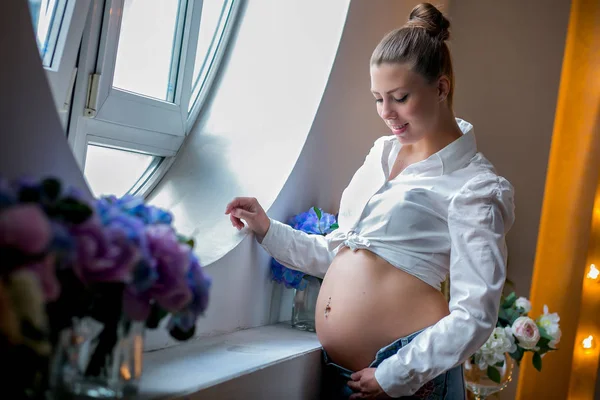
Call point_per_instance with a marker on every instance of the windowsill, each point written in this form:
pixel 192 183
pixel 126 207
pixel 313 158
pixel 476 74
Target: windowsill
pixel 192 367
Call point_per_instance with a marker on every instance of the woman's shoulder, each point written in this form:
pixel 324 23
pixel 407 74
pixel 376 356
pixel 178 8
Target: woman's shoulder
pixel 480 180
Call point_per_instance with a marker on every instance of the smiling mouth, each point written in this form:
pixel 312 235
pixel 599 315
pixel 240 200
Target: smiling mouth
pixel 398 127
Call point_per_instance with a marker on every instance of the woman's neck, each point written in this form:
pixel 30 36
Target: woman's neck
pixel 444 133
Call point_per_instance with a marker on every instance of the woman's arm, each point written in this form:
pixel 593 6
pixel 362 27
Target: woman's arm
pixel 298 250
pixel 478 219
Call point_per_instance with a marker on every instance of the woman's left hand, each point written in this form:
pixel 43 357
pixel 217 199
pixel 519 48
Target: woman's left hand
pixel 366 386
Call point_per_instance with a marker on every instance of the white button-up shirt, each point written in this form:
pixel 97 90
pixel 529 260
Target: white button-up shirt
pixel 445 215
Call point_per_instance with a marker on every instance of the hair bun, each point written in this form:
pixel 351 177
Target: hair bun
pixel 428 17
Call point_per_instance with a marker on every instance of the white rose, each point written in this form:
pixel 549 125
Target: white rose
pixel 550 324
pixel 523 304
pixel 526 332
pixel 492 352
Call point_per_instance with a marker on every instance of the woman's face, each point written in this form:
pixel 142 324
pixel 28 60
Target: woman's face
pixel 407 103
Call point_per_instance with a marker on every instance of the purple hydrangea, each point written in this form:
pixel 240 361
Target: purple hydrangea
pixel 104 253
pixel 200 285
pixel 172 258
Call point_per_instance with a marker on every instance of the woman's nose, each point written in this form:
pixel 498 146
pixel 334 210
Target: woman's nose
pixel 387 111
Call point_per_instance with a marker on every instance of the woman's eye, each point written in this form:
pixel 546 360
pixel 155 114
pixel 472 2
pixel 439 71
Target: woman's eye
pixel 402 99
pixel 378 100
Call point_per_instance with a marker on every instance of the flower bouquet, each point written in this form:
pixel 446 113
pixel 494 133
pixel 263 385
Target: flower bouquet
pixel 515 334
pixel 79 279
pixel 306 288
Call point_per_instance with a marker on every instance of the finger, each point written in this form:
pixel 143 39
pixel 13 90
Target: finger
pixel 356 376
pixel 236 202
pixel 236 222
pixel 357 396
pixel 242 214
pixel 354 385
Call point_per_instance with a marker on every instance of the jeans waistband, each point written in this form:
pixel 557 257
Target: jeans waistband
pixel 382 354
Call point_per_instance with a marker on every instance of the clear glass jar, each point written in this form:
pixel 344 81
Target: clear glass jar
pixel 305 304
pixel 93 363
pixel 480 384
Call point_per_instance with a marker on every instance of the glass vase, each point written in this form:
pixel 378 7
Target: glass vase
pixel 480 384
pixel 94 362
pixel 305 304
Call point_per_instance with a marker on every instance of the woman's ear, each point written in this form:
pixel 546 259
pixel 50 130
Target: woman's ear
pixel 443 87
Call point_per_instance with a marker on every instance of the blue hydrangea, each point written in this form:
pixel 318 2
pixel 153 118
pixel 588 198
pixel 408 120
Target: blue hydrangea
pixel 313 221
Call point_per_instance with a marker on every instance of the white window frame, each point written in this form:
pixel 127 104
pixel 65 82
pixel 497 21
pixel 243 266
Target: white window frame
pixel 108 116
pixel 62 71
pixel 114 105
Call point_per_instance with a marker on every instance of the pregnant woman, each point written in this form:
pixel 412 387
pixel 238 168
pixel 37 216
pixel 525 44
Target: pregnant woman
pixel 425 205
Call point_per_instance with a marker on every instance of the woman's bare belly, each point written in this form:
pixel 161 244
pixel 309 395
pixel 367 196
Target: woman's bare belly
pixel 365 303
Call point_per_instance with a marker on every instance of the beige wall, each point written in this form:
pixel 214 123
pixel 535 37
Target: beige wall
pixel 507 60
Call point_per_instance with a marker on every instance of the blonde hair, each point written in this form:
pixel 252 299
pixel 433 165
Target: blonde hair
pixel 421 43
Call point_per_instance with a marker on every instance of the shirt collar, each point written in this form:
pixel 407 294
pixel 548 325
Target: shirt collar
pixel 449 159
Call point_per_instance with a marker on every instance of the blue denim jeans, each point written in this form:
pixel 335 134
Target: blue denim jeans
pixel 449 385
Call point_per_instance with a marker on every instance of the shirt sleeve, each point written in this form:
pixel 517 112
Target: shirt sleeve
pixel 479 217
pixel 311 254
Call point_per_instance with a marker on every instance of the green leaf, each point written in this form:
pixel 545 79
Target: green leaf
pixel 518 354
pixel 51 188
pixel 503 317
pixel 157 313
pixel 544 350
pixel 537 361
pixel 494 374
pixel 318 212
pixel 542 343
pixel 71 210
pixel 334 226
pixel 183 239
pixel 510 300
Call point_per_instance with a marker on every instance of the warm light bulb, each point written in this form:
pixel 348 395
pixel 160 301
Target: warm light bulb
pixel 593 273
pixel 588 342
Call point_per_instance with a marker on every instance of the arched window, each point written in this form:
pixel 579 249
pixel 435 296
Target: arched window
pixel 144 68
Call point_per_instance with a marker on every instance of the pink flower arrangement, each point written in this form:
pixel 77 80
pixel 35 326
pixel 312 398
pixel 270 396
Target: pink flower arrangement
pixel 516 333
pixel 110 259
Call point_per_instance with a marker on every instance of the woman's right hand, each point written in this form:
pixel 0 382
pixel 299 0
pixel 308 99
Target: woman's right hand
pixel 249 210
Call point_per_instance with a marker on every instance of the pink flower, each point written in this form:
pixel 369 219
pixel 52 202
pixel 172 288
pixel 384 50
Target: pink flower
pixel 526 332
pixel 26 228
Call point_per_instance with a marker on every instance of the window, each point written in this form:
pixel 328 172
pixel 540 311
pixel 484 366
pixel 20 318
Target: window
pixel 47 16
pixel 58 27
pixel 113 171
pixel 215 17
pixel 147 56
pixel 147 62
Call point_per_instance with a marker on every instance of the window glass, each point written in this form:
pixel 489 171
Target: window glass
pixel 149 45
pixel 113 171
pixel 47 17
pixel 214 16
